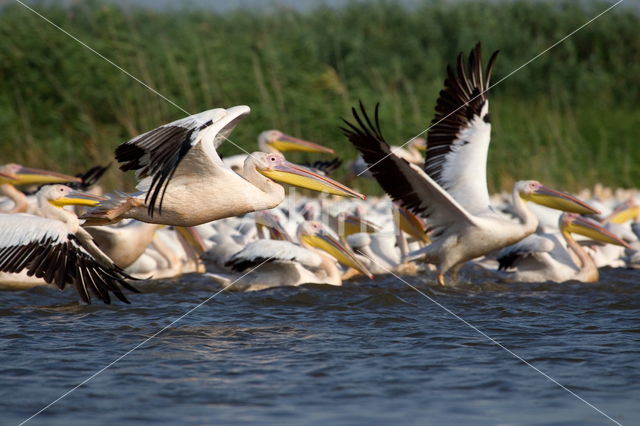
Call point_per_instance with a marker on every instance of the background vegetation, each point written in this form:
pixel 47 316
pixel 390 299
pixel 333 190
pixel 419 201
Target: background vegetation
pixel 570 118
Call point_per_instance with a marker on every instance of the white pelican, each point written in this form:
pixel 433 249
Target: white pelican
pixel 275 141
pixel 540 258
pixel 346 224
pixel 124 244
pixel 286 264
pixel 171 253
pixel 185 183
pixel 12 175
pixel 56 249
pixel 452 191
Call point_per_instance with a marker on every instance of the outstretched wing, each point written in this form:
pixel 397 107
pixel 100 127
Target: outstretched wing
pixel 45 249
pixel 262 251
pixel 404 182
pixel 459 136
pixel 157 154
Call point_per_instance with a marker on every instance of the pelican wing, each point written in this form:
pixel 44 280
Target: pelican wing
pixel 529 249
pixel 46 249
pixel 403 182
pixel 262 251
pixel 459 136
pixel 156 154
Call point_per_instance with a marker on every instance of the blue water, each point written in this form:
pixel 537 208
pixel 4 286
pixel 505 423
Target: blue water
pixel 367 353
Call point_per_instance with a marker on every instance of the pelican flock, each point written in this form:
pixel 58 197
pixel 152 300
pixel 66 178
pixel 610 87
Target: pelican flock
pixel 230 219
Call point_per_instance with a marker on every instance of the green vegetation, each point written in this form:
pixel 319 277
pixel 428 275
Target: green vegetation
pixel 570 118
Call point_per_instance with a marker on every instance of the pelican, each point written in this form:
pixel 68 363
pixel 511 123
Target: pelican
pixel 55 248
pixel 540 258
pixel 451 193
pixel 274 141
pixel 282 263
pixel 171 253
pixel 12 175
pixel 185 183
pixel 346 224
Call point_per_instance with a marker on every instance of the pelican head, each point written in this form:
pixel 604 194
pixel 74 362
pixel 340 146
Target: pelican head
pixel 314 234
pixel 275 167
pixel 276 141
pixel 62 195
pixel 574 223
pixel 532 190
pixel 625 212
pixel 15 174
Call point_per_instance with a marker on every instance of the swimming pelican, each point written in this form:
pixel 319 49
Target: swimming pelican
pixel 274 141
pixel 452 191
pixel 286 264
pixel 12 175
pixel 540 258
pixel 185 183
pixel 57 249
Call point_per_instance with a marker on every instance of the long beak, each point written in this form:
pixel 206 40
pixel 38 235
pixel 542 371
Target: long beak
pixel 193 237
pixel 29 176
pixel 352 224
pixel 590 229
pixel 560 201
pixel 289 143
pixel 326 242
pixel 5 178
pixel 624 214
pixel 412 225
pixel 77 198
pixel 292 174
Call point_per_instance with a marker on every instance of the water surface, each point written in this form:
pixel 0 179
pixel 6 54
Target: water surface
pixel 370 352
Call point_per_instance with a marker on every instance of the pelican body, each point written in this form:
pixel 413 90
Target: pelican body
pixel 276 263
pixel 540 258
pixel 185 183
pixel 451 193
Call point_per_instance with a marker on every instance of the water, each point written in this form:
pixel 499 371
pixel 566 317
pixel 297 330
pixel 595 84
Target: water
pixel 367 353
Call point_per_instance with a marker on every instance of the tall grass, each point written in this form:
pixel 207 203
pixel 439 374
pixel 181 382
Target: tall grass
pixel 570 118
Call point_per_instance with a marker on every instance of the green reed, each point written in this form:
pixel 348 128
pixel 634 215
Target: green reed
pixel 570 118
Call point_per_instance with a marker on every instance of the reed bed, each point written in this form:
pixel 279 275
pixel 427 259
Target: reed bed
pixel 569 119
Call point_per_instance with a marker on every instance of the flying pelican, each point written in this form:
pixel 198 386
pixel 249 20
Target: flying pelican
pixel 540 258
pixel 452 191
pixel 185 183
pixel 287 264
pixel 56 249
pixel 12 175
